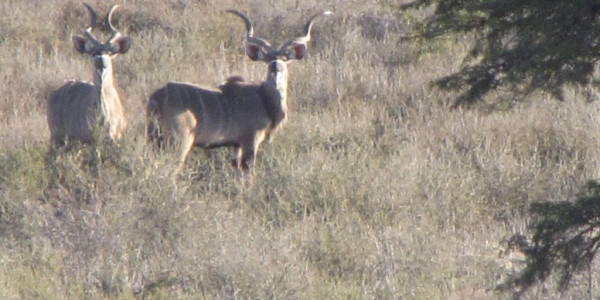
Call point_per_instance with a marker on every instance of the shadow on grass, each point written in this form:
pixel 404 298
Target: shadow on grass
pixel 563 241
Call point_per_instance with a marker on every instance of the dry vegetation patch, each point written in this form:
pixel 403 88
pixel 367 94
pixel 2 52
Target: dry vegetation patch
pixel 373 188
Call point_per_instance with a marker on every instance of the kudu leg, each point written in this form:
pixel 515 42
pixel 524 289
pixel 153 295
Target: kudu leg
pixel 249 150
pixel 57 142
pixel 184 135
pixel 247 159
pixel 185 143
pixel 237 160
pixel 243 157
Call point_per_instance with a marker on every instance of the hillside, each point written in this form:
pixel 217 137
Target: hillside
pixel 373 189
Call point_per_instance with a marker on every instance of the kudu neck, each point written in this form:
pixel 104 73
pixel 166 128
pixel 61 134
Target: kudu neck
pixel 104 83
pixel 110 106
pixel 277 77
pixel 103 72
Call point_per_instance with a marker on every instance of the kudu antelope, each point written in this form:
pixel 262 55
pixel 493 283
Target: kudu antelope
pixel 78 108
pixel 238 114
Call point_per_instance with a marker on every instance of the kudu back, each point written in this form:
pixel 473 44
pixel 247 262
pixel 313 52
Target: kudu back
pixel 237 114
pixel 77 109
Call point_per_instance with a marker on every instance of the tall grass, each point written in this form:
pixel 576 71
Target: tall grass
pixel 373 189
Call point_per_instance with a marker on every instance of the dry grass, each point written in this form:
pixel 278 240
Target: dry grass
pixel 373 189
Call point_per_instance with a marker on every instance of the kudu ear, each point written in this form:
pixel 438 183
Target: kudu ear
pixel 122 44
pixel 80 44
pixel 255 52
pixel 296 51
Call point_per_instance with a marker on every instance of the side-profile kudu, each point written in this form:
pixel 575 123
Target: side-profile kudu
pixel 77 109
pixel 238 114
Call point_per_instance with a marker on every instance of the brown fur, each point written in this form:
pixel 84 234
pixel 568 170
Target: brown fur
pixel 74 111
pixel 238 114
pixel 77 109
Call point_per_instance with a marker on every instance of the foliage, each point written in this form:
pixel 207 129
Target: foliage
pixel 518 45
pixel 370 191
pixel 565 240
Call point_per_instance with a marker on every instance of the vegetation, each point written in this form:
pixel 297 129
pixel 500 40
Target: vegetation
pixel 521 46
pixel 565 239
pixel 373 189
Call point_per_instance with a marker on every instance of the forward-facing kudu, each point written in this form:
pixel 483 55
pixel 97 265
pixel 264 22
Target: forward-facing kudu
pixel 237 114
pixel 77 109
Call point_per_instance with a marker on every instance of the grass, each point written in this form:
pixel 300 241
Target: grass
pixel 373 189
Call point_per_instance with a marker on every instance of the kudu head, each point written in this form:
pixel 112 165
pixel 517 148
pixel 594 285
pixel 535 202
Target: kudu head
pixel 101 52
pixel 260 50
